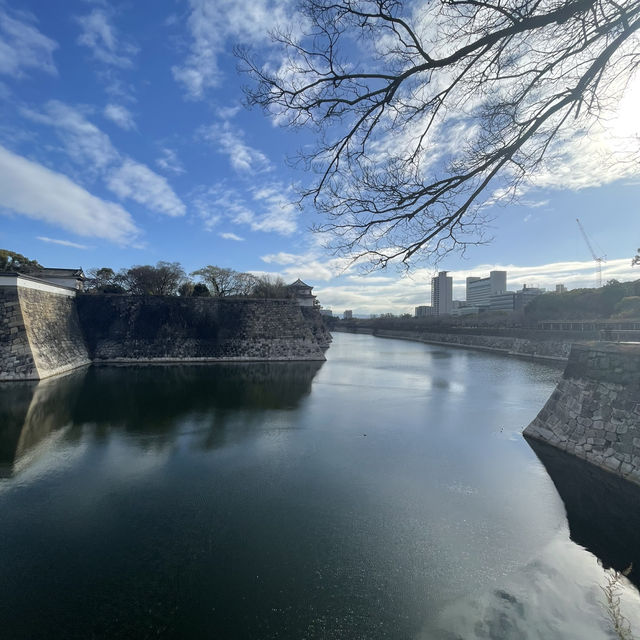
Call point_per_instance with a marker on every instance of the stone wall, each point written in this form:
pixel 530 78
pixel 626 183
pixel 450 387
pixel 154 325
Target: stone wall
pixel 138 328
pixel 594 412
pixel 53 331
pixel 507 345
pixel 316 323
pixel 16 359
pixel 39 331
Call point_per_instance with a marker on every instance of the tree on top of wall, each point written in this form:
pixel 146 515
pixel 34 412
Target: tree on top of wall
pixel 12 261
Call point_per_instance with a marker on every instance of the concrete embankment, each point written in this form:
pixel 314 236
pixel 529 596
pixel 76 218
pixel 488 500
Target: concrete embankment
pixel 557 350
pixel 594 412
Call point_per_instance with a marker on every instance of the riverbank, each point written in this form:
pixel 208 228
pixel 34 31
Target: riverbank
pixel 552 350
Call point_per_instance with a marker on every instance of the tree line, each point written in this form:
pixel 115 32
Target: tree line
pixel 163 279
pixel 170 279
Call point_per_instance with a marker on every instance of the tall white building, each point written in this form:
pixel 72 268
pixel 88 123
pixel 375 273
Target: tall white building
pixel 480 290
pixel 442 294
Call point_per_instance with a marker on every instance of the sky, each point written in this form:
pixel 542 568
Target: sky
pixel 124 140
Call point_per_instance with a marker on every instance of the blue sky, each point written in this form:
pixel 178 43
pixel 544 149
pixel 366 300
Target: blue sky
pixel 123 141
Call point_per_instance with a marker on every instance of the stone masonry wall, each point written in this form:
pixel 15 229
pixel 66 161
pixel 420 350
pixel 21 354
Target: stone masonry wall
pixel 594 412
pixel 16 358
pixel 138 328
pixel 317 325
pixel 53 331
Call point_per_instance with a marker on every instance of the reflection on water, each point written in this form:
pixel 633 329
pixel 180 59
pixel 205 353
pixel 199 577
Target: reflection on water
pixel 152 399
pixel 31 411
pixel 385 493
pixel 603 511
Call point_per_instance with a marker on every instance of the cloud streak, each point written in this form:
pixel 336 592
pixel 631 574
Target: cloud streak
pixel 100 36
pixel 23 46
pixel 230 141
pixel 92 149
pixel 29 189
pixel 64 243
pixel 265 208
pixel 212 23
pixel 120 115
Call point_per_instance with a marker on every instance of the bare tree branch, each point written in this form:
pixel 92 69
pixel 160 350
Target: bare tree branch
pixel 424 113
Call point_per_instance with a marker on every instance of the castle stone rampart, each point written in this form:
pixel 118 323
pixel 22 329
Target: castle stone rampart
pixel 594 412
pixel 40 334
pixel 153 328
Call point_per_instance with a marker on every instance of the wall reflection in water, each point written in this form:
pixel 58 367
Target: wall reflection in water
pixel 602 509
pixel 31 411
pixel 147 401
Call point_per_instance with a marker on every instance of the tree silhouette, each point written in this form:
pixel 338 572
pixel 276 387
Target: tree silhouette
pixel 426 112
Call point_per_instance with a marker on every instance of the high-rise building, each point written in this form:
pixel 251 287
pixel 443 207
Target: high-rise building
pixel 348 314
pixel 480 290
pixel 441 294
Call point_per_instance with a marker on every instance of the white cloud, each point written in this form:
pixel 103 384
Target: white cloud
pixel 84 142
pixel 231 236
pixel 64 243
pixel 170 162
pixel 92 149
pixel 120 115
pixel 227 113
pixel 269 210
pixel 29 189
pixel 99 35
pixel 214 203
pixel 212 22
pixel 23 46
pixel 277 211
pixel 230 141
pixel 136 181
pixel 310 265
pixel 280 258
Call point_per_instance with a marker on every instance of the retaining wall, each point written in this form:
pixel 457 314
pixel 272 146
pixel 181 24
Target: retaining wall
pixel 40 334
pixel 594 411
pixel 139 328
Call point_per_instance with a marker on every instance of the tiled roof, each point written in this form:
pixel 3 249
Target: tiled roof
pixel 299 283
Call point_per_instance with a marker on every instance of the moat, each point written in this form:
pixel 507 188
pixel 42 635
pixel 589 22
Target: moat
pixel 384 493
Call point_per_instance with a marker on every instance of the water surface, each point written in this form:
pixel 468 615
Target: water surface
pixel 386 493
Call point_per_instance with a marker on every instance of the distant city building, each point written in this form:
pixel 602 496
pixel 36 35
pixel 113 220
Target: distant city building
pixel 525 296
pixel 348 314
pixel 480 290
pixel 514 300
pixel 441 294
pixel 423 311
pixel 560 288
pixel 326 312
pixel 505 301
pixel 465 310
pixel 302 293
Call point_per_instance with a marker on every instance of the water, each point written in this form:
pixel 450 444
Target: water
pixel 386 493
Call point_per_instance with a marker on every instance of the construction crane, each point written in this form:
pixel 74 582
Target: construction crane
pixel 599 260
